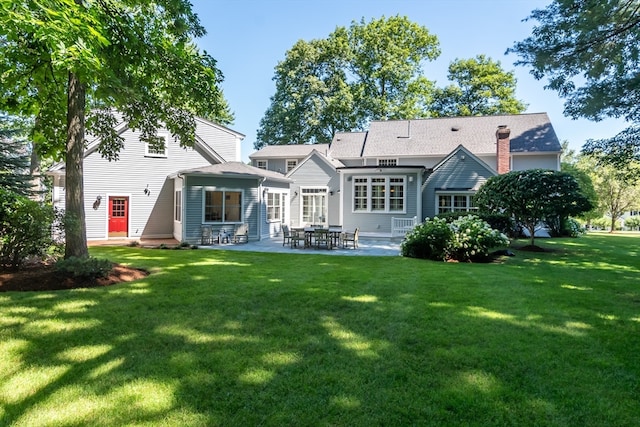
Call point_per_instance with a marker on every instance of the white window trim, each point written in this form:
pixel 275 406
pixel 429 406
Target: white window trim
pixel 323 190
pixel 177 206
pixel 387 193
pixel 286 165
pixel 158 155
pixel 281 200
pixel 469 195
pixel 224 190
pixel 266 164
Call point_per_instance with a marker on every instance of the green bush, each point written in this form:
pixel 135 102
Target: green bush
pixel 86 268
pixel 26 228
pixel 573 228
pixel 501 222
pixel 632 223
pixel 429 240
pixel 467 238
pixel 473 238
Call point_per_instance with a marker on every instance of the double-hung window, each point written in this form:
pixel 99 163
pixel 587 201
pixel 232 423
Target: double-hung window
pixel 261 164
pixel 156 148
pixel 222 206
pixel 274 206
pixel 379 194
pixel 291 164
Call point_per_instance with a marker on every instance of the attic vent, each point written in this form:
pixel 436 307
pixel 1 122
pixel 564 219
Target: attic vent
pixel 455 128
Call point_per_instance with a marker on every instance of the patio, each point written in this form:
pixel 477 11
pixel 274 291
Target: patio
pixel 367 245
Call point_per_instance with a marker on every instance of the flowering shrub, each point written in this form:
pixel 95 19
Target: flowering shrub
pixel 464 239
pixel 429 240
pixel 473 238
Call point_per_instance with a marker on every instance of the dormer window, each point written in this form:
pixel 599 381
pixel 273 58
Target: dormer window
pixel 291 164
pixel 156 150
pixel 261 164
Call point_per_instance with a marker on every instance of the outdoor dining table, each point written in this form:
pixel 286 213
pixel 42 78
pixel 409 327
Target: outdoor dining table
pixel 333 234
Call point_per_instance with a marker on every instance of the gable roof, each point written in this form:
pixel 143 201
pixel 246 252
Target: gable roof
pixel 289 151
pixel 440 136
pixel 466 152
pixel 233 170
pixel 333 163
pixel 122 126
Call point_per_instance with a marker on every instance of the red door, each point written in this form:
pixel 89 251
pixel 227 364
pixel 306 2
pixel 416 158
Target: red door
pixel 118 216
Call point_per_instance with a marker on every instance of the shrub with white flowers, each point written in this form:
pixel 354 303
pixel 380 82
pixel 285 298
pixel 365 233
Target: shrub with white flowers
pixel 467 238
pixel 429 240
pixel 473 238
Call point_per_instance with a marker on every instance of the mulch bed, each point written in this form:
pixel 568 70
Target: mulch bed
pixel 42 276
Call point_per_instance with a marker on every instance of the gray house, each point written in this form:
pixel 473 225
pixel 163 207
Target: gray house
pixel 405 170
pixel 143 194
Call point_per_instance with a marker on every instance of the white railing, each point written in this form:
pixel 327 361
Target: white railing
pixel 401 226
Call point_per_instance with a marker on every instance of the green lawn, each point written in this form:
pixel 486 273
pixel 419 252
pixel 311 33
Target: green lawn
pixel 239 338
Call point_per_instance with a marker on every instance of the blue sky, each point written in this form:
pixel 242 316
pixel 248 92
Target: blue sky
pixel 249 37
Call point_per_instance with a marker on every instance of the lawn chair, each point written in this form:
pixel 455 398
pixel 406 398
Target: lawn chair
pixel 241 234
pixel 350 237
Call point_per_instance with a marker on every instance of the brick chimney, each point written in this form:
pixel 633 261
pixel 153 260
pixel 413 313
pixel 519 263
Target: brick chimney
pixel 503 154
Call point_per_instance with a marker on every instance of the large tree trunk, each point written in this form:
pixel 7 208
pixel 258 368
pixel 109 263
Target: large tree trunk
pixel 75 226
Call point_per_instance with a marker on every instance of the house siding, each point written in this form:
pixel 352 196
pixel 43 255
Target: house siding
pixel 225 143
pixel 151 212
pixel 534 161
pixel 193 196
pixel 455 174
pixel 373 221
pixel 314 173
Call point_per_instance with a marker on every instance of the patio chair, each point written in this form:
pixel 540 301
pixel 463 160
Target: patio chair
pixel 321 238
pixel 298 236
pixel 241 234
pixel 206 236
pixel 286 233
pixel 350 237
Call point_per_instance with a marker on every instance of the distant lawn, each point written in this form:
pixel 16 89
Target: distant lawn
pixel 241 339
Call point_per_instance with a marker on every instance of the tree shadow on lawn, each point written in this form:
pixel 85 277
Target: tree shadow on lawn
pixel 206 346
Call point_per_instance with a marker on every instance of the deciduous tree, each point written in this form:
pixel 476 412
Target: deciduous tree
pixel 589 51
pixel 616 194
pixel 480 87
pixel 531 196
pixel 365 72
pixel 72 64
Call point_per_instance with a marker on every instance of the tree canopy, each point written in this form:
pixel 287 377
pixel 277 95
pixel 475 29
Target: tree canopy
pixel 374 71
pixel 531 196
pixel 589 51
pixel 615 194
pixel 480 87
pixel 365 72
pixel 81 66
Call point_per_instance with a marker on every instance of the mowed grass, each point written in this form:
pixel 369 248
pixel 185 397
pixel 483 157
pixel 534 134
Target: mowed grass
pixel 236 339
